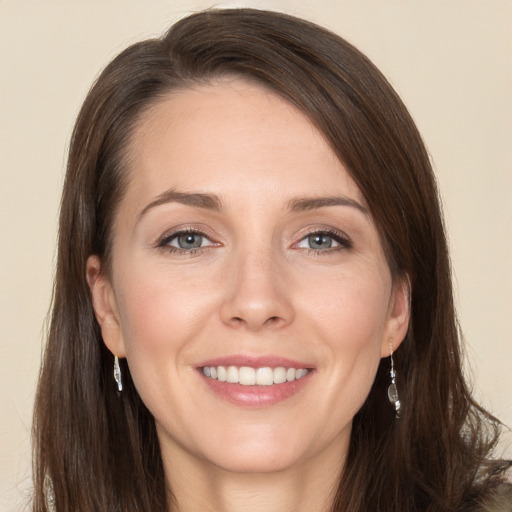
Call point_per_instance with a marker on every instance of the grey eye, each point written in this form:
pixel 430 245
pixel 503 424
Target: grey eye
pixel 188 241
pixel 324 241
pixel 320 241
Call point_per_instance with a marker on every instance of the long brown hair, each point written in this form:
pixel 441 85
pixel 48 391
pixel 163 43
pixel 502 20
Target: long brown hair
pixel 97 450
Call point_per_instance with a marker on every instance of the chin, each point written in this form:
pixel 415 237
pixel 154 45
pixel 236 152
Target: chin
pixel 270 460
pixel 267 450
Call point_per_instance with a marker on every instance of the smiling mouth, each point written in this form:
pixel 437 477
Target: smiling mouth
pixel 248 376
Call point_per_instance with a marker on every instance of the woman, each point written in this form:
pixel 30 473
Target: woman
pixel 252 261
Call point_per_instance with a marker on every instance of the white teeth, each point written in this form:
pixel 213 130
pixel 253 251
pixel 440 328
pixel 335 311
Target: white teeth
pixel 279 375
pixel 232 375
pixel 300 373
pixel 247 376
pixel 221 373
pixel 290 374
pixel 264 376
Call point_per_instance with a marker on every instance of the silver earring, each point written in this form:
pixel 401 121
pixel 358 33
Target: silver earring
pixel 117 374
pixel 392 389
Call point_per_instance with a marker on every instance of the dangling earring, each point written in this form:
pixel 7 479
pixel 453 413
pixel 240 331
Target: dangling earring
pixel 117 374
pixel 392 389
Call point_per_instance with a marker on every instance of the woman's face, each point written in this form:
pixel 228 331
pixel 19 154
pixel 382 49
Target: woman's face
pixel 243 250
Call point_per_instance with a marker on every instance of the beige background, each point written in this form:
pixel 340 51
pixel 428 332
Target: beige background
pixel 451 62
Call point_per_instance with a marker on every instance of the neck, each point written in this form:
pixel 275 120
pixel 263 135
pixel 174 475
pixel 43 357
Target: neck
pixel 198 485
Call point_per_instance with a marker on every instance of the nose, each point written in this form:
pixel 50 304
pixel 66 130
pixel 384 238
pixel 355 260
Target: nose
pixel 258 294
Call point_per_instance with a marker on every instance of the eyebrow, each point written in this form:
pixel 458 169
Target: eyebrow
pixel 213 202
pixel 197 199
pixel 312 203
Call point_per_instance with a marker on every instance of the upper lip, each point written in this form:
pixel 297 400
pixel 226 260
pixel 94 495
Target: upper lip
pixel 259 361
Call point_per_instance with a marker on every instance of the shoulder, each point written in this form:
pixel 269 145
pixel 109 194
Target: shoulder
pixel 499 499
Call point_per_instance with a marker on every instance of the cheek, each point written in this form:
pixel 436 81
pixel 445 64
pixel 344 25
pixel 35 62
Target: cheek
pixel 159 314
pixel 350 317
pixel 351 307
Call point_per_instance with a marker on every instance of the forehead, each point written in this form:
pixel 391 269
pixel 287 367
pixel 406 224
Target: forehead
pixel 232 134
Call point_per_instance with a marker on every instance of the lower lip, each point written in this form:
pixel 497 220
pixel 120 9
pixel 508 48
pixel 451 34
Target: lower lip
pixel 256 396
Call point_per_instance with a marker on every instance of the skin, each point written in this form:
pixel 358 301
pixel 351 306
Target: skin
pixel 254 287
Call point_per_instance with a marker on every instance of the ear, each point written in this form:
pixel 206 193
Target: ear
pixel 399 315
pixel 105 306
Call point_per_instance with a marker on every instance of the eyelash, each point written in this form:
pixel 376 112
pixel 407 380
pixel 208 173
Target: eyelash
pixel 165 241
pixel 337 236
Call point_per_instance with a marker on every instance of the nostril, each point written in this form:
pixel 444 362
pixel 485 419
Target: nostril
pixel 238 320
